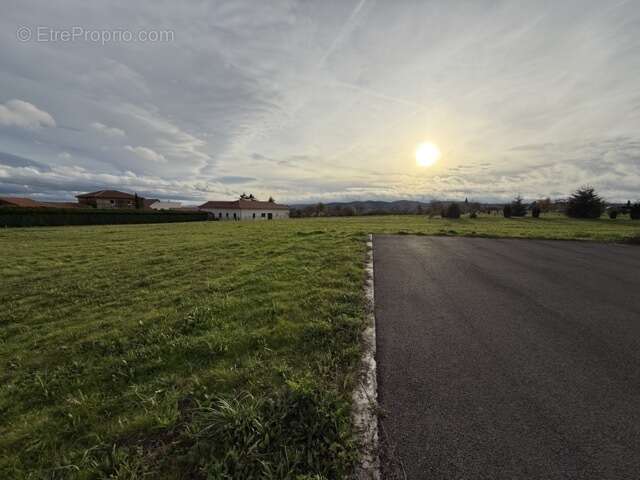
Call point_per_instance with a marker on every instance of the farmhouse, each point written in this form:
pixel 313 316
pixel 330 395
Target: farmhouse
pixel 245 209
pixel 107 199
pixel 19 202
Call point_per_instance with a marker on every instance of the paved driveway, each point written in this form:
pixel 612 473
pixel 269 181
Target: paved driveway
pixel 515 359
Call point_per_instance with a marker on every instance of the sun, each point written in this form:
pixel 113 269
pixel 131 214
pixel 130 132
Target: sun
pixel 427 154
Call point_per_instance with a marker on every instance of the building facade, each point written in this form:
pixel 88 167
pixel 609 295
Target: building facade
pixel 159 205
pixel 107 199
pixel 245 209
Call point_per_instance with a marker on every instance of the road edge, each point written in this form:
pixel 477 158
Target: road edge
pixel 365 396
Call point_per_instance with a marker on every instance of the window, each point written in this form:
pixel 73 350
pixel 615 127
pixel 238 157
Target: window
pixel 263 215
pixel 234 216
pixel 219 214
pixel 254 214
pixel 227 214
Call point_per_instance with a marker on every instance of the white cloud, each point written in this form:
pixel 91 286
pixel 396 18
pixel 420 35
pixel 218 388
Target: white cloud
pixel 108 131
pixel 146 154
pixel 64 156
pixel 174 141
pixel 18 113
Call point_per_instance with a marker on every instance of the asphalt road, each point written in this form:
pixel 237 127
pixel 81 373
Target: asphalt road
pixel 515 359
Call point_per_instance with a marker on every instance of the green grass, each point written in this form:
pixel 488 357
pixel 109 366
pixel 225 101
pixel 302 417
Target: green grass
pixel 197 350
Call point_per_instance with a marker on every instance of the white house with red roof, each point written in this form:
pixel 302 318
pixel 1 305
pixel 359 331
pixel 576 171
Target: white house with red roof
pixel 245 209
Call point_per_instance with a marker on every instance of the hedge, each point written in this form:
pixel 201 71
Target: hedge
pixel 47 217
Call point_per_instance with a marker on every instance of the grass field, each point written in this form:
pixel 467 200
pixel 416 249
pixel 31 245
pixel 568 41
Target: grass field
pixel 199 350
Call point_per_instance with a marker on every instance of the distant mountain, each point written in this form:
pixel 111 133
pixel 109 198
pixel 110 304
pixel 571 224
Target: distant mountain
pixel 368 207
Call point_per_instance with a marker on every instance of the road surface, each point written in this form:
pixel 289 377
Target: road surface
pixel 508 359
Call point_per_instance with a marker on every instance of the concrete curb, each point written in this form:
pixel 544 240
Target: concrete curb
pixel 365 396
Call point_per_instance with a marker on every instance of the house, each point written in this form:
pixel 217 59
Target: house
pixel 108 199
pixel 19 202
pixel 29 203
pixel 158 205
pixel 245 209
pixel 60 205
pixel 147 202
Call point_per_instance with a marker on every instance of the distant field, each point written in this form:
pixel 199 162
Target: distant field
pixel 226 350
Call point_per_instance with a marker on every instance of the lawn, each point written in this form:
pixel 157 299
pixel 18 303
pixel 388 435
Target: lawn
pixel 197 350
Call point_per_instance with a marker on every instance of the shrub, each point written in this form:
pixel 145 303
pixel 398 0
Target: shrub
pixel 518 208
pixel 535 211
pixel 473 215
pixel 613 214
pixel 452 211
pixel 34 217
pixel 506 211
pixel 634 211
pixel 585 203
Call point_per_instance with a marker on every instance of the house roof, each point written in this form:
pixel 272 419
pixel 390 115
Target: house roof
pixel 244 204
pixel 20 202
pixel 60 204
pixel 107 194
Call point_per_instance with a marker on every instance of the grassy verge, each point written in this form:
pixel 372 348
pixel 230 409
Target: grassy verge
pixel 199 350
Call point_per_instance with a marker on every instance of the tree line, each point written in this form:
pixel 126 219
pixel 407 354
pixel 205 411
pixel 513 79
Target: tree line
pixel 583 203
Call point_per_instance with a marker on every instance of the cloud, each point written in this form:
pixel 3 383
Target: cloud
pixel 18 113
pixel 63 182
pixel 231 179
pixel 108 131
pixel 326 99
pixel 146 154
pixel 16 161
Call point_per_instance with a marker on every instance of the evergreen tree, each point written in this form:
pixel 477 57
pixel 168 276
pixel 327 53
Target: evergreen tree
pixel 585 203
pixel 518 208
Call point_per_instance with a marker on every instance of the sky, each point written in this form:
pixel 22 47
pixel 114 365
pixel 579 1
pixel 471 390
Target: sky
pixel 319 100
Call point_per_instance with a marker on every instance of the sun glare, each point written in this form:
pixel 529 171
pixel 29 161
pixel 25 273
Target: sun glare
pixel 427 154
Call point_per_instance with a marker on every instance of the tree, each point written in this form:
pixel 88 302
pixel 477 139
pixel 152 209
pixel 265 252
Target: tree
pixel 435 208
pixel 518 208
pixel 506 211
pixel 585 203
pixel 544 204
pixel 634 211
pixel 452 211
pixel 535 210
pixel 271 200
pixel 138 202
pixel 613 213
